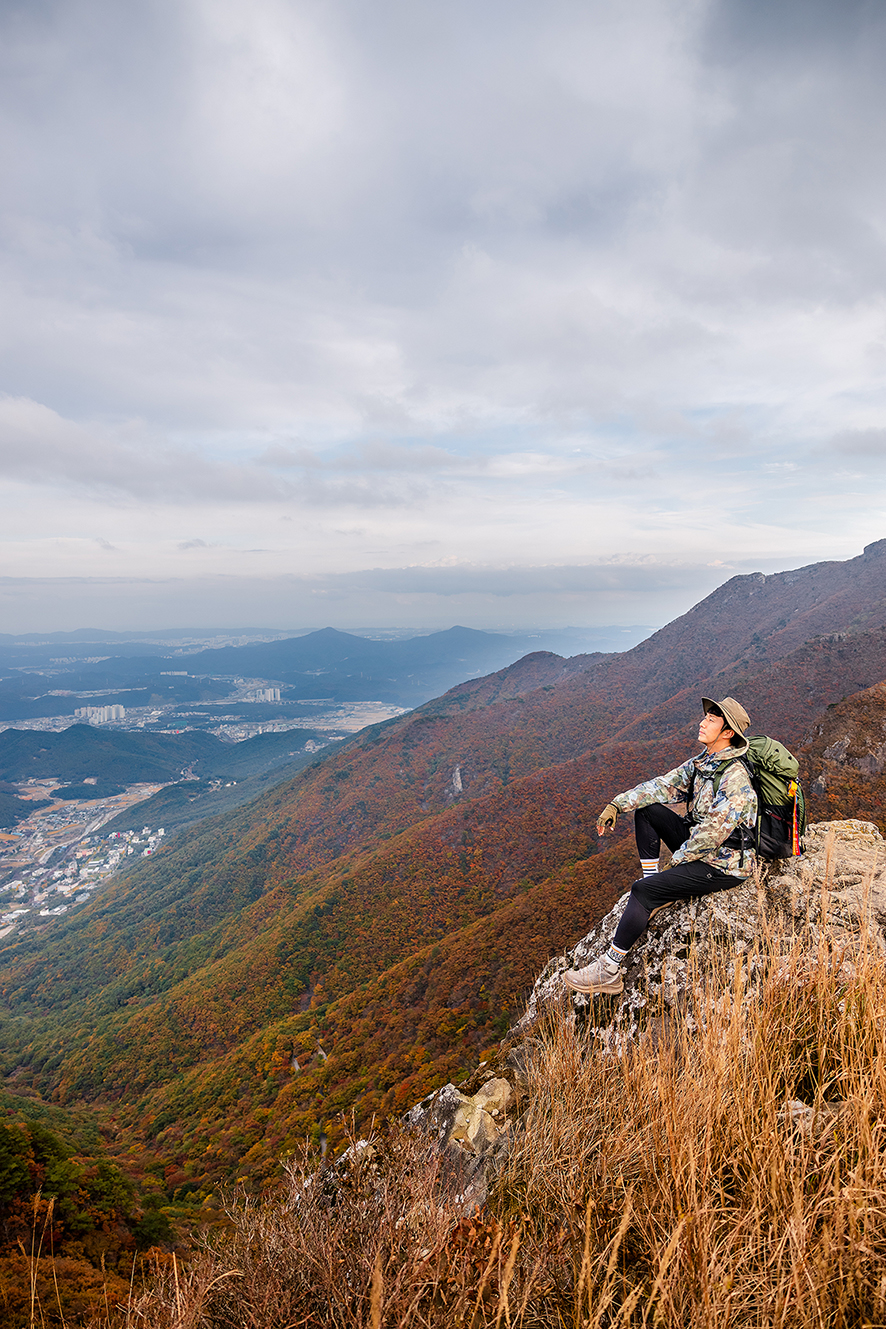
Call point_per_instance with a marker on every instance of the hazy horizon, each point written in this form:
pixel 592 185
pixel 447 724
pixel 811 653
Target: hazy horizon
pixel 632 633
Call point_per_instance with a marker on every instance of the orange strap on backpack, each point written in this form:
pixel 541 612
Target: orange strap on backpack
pixel 795 830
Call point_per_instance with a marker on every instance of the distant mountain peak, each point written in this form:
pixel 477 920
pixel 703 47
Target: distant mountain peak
pixel 328 634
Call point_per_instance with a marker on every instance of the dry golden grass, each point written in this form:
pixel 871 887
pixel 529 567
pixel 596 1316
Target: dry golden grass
pixel 706 1199
pixel 673 1185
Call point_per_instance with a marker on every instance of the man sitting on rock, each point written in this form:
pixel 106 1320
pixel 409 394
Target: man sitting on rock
pixel 712 845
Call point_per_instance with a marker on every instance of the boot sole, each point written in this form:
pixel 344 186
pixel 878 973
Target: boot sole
pixel 611 989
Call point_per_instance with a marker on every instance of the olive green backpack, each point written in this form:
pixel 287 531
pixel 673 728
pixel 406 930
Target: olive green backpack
pixel 781 807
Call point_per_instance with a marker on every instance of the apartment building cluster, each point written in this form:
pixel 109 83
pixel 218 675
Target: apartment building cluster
pixel 100 714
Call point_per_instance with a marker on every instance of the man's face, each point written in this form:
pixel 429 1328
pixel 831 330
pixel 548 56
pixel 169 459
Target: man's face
pixel 713 732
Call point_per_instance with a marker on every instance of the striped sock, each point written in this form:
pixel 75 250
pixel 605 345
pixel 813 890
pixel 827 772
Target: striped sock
pixel 615 955
pixel 649 866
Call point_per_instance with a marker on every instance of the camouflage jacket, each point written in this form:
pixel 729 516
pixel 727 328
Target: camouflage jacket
pixel 714 819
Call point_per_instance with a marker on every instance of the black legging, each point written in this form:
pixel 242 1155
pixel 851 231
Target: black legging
pixel 655 823
pixel 686 881
pixel 632 924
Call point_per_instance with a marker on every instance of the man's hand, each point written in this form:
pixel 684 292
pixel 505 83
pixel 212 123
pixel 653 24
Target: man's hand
pixel 606 819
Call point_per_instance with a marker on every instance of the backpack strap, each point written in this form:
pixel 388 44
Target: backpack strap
pixel 793 790
pixel 715 780
pixel 717 777
pixel 744 833
pixel 743 837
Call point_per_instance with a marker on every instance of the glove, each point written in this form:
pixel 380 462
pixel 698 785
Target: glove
pixel 606 819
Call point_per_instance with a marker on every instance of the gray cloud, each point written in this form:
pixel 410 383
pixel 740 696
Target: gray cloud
pixel 866 443
pixel 38 444
pixel 373 455
pixel 588 580
pixel 468 266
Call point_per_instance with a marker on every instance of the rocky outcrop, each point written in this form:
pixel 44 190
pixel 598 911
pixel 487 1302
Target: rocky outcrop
pixel 838 886
pixel 836 890
pixel 854 732
pixel 471 1122
pixel 473 1129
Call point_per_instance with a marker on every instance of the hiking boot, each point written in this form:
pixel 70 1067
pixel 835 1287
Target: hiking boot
pixel 602 975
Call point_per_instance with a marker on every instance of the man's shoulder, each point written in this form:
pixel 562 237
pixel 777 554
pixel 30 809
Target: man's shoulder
pixel 736 772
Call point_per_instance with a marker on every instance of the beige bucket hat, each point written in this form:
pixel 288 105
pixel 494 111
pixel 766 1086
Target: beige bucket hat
pixel 735 715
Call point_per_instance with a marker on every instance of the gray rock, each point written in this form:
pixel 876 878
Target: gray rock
pixel 474 1133
pixel 436 1113
pixel 837 887
pixel 812 1123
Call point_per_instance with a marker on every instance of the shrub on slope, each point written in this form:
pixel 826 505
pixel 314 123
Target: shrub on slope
pixel 70 1222
pixel 145 1027
pixel 379 1048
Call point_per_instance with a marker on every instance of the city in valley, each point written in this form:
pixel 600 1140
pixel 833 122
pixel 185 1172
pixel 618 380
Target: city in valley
pixel 57 856
pixel 52 860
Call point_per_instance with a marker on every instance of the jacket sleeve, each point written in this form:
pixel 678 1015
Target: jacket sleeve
pixel 734 805
pixel 670 788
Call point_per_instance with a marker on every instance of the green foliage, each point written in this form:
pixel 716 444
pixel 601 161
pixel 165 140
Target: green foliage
pixel 86 1190
pixel 13 809
pixel 123 757
pixel 73 792
pixel 154 1227
pixel 79 1217
pixel 14 1156
pixel 109 1190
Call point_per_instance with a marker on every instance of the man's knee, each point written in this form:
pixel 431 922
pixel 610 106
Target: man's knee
pixel 656 815
pixel 658 822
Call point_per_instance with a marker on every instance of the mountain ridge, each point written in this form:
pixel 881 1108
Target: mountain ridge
pixel 265 931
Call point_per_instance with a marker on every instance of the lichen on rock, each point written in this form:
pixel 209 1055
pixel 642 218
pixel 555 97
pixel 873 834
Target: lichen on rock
pixel 474 1131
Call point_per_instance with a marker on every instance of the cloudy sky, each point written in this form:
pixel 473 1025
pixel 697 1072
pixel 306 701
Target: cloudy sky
pixel 419 312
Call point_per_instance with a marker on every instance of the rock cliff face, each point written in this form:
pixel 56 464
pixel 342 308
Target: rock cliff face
pixel 854 733
pixel 474 1130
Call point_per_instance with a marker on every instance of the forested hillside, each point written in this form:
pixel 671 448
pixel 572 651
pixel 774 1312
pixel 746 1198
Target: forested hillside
pixel 81 752
pixel 362 931
pixel 62 1197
